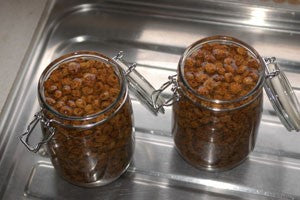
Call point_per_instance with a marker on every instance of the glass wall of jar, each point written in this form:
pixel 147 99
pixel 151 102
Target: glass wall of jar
pixel 86 117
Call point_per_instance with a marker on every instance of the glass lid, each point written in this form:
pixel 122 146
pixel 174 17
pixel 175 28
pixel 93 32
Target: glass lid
pixel 140 87
pixel 281 95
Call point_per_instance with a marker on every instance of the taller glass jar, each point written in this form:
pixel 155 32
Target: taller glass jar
pixel 86 116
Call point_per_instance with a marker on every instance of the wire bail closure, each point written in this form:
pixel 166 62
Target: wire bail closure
pixel 25 136
pixel 131 67
pixel 174 88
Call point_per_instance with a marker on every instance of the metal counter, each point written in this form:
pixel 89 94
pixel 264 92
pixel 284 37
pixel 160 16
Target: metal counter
pixel 154 34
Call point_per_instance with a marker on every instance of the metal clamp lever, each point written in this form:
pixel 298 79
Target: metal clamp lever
pixel 25 136
pixel 175 97
pixel 275 71
pixel 119 57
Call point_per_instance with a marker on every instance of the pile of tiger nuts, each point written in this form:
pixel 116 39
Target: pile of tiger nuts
pixel 223 72
pixel 210 139
pixel 80 88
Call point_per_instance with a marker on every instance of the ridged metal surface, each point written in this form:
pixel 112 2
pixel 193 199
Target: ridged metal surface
pixel 154 34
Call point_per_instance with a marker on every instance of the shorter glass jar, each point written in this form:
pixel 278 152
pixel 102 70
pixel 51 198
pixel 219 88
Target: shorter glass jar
pixel 217 134
pixel 93 149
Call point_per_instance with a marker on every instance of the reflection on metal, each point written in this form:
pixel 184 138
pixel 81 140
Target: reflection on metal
pixel 258 16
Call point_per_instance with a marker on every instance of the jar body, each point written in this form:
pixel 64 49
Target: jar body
pixel 215 140
pixel 84 98
pixel 93 156
pixel 216 118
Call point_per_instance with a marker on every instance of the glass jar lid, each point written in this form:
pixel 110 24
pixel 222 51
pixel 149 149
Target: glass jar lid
pixel 281 95
pixel 139 86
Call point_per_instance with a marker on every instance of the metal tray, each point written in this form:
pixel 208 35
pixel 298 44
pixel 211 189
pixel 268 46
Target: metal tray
pixel 154 34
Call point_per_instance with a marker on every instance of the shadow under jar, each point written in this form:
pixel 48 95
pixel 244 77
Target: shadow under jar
pixel 218 101
pixel 87 117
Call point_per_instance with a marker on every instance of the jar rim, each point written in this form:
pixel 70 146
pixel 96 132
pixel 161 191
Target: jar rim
pixel 86 54
pixel 222 39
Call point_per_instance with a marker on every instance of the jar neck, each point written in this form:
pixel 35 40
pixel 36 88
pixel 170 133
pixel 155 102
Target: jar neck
pixel 216 104
pixel 88 120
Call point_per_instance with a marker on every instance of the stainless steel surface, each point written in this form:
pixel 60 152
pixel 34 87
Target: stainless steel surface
pixel 154 34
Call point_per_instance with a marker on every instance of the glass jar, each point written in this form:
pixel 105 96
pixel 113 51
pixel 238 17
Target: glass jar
pixel 218 101
pixel 88 146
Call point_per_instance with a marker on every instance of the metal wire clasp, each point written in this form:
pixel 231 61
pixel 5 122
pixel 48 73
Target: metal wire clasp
pixel 131 67
pixel 175 97
pixel 275 71
pixel 25 136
